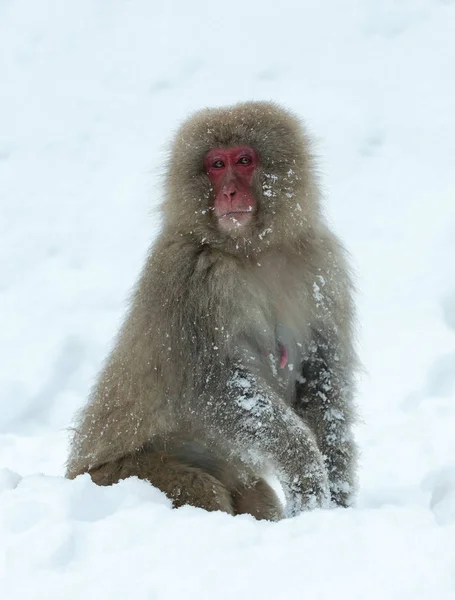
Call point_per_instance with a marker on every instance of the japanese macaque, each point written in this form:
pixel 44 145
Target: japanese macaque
pixel 230 385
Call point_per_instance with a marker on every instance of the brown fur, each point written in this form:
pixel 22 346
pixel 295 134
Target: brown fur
pixel 191 397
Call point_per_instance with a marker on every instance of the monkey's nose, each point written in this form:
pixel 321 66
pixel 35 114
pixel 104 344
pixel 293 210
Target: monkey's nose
pixel 229 192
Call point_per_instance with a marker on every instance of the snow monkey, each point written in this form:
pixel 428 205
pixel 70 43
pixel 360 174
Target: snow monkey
pixel 230 384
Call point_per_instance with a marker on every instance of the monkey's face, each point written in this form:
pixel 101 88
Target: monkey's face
pixel 240 179
pixel 231 171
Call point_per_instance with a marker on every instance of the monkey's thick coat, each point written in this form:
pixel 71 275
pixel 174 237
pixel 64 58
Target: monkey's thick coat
pixel 192 397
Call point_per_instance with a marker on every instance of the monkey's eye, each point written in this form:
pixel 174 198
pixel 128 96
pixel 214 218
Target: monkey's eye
pixel 245 160
pixel 218 164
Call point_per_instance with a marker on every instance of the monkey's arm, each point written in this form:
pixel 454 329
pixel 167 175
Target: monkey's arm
pixel 268 436
pixel 324 400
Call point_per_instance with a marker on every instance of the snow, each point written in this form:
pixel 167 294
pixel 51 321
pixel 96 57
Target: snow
pixel 90 94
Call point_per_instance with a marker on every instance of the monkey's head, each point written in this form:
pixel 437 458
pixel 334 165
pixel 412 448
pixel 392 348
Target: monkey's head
pixel 241 178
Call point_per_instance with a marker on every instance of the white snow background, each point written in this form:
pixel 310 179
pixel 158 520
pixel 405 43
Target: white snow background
pixel 90 94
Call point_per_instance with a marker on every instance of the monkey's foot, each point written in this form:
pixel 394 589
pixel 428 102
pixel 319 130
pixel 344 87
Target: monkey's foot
pixel 181 483
pixel 259 500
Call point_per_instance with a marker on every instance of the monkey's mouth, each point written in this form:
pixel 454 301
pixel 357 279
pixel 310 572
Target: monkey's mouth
pixel 235 212
pixel 235 219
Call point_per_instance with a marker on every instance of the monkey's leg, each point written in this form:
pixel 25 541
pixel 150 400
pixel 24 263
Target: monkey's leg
pixel 183 484
pixel 258 499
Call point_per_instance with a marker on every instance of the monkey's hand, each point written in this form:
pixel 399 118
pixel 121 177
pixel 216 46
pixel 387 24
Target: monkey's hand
pixel 271 437
pixel 324 401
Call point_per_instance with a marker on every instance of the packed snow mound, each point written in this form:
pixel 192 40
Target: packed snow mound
pixel 91 92
pixel 74 540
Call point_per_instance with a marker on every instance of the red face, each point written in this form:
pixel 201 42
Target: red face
pixel 230 171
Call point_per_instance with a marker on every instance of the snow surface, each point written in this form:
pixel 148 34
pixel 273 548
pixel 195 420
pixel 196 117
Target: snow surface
pixel 90 93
